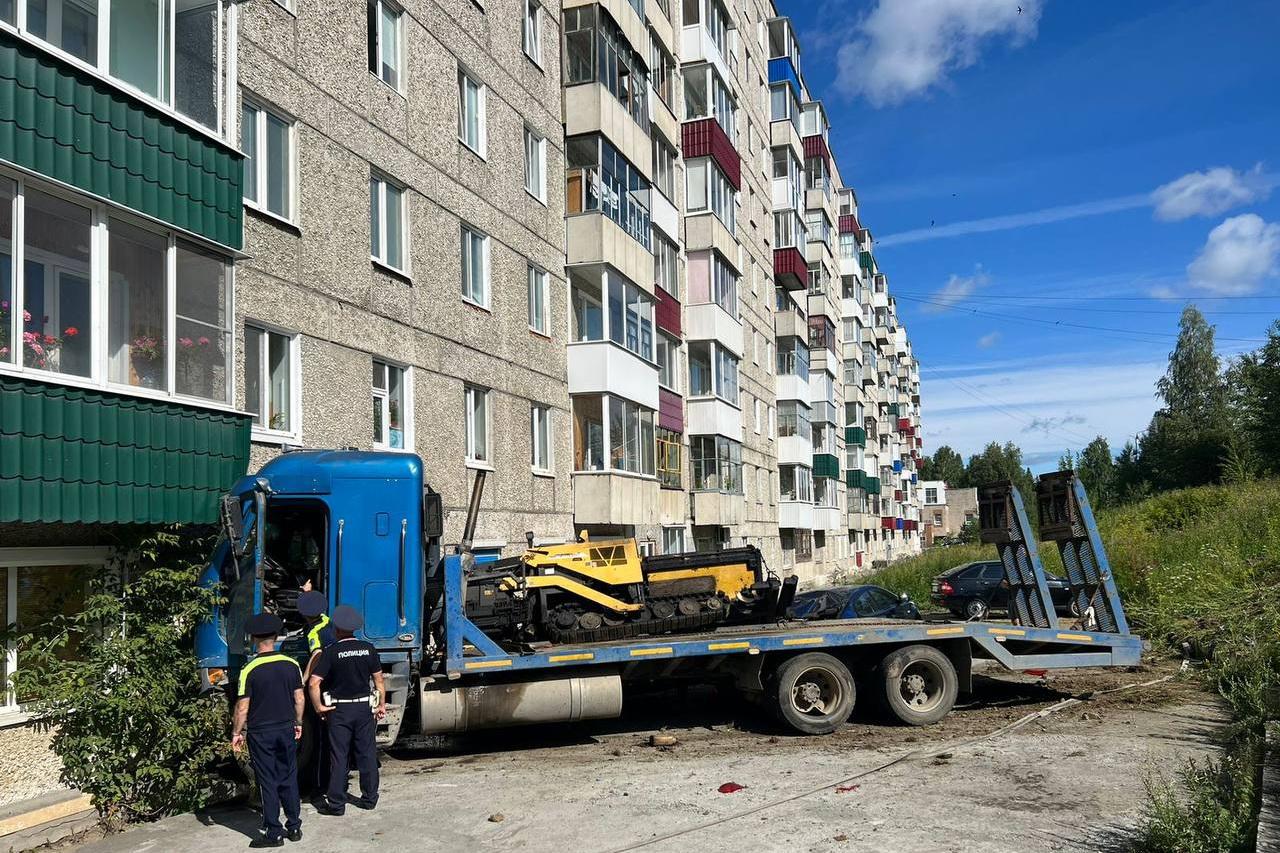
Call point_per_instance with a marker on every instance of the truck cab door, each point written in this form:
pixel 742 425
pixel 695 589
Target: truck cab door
pixel 236 572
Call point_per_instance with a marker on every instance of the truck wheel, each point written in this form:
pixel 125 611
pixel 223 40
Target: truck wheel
pixel 920 684
pixel 814 693
pixel 975 609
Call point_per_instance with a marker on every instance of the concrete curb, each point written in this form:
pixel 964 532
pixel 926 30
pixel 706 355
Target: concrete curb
pixel 44 820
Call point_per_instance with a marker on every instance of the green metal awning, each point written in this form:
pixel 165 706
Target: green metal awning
pixel 61 121
pixel 85 456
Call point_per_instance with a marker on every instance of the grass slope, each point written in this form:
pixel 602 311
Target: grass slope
pixel 1197 566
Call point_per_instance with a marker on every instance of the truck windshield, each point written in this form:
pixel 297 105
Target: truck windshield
pixel 295 545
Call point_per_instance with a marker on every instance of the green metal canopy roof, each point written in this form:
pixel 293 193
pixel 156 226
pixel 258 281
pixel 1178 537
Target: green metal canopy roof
pixel 84 456
pixel 65 123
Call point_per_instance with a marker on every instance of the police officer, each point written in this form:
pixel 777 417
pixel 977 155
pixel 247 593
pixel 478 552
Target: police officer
pixel 269 709
pixel 341 692
pixel 312 607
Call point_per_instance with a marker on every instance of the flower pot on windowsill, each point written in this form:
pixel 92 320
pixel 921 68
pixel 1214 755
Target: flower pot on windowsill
pixel 144 372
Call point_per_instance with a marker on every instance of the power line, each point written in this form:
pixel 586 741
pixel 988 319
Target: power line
pixel 1066 324
pixel 898 290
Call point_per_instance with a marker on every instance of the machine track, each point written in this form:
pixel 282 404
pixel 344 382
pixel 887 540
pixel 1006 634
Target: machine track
pixel 639 628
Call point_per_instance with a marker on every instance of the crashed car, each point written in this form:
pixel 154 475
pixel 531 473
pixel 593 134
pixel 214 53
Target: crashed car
pixel 865 601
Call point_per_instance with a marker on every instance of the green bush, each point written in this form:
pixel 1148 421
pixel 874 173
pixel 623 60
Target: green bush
pixel 117 683
pixel 1210 808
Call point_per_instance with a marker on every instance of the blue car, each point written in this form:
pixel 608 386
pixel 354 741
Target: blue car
pixel 865 601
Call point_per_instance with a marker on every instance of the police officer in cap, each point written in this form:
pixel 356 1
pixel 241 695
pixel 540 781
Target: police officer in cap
pixel 312 607
pixel 269 709
pixel 342 684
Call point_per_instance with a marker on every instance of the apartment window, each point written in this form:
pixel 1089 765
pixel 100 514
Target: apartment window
pixel 724 285
pixel 267 140
pixel 476 423
pixel 673 540
pixel 475 266
pixel 665 265
pixel 271 379
pixel 631 442
pixel 669 465
pixel 173 56
pixel 538 300
pixel 668 351
pixel 707 188
pixel 164 302
pixel 540 438
pixel 535 165
pixel 630 317
pixel 726 375
pixel 471 112
pixel 384 42
pixel 804 545
pixel 793 358
pixel 795 483
pixel 391 413
pixel 700 375
pixel 37 586
pixel 387 225
pixel 788 230
pixel 588 314
pixel 931 496
pixel 706 95
pixel 531 30
pixel 793 420
pixel 715 464
pixel 664 167
pixel 662 69
pixel 598 178
pixel 597 51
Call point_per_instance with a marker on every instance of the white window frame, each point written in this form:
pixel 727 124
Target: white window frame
pixel 541 418
pixel 482 91
pixel 539 289
pixel 383 182
pixel 464 249
pixel 98 274
pixel 260 137
pixel 535 164
pixel 397 86
pixel 406 416
pixel 469 393
pixel 12 559
pixel 531 31
pixel 267 433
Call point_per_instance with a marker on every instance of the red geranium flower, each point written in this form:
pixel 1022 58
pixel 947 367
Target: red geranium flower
pixel 70 332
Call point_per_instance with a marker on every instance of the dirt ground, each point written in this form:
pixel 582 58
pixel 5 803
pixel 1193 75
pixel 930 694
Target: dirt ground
pixel 1070 781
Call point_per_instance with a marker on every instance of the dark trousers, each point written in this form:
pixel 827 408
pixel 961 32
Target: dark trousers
pixel 274 755
pixel 352 731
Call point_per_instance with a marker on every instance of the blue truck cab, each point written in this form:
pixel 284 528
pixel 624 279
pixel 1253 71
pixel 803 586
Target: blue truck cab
pixel 349 524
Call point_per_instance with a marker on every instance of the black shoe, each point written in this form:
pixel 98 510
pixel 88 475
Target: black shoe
pixel 267 841
pixel 326 809
pixel 295 835
pixel 364 803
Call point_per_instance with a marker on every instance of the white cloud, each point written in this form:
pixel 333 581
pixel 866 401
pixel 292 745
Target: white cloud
pixel 988 340
pixel 1209 193
pixel 957 289
pixel 904 48
pixel 1239 254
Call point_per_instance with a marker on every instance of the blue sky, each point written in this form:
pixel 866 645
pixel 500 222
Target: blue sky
pixel 1096 164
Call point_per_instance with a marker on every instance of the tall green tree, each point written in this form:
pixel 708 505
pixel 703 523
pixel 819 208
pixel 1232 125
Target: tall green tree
pixel 1066 462
pixel 999 462
pixel 945 465
pixel 1254 382
pixel 1097 471
pixel 1130 479
pixel 1188 438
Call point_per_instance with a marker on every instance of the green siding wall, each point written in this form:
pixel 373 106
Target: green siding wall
pixel 826 465
pixel 64 123
pixel 856 436
pixel 77 456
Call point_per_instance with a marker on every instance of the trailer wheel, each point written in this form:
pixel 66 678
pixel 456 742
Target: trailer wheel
pixel 814 693
pixel 920 684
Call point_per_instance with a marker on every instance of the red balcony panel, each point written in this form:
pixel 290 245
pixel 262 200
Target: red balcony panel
pixel 816 146
pixel 790 270
pixel 897 494
pixel 904 424
pixel 705 138
pixel 888 522
pixel 849 224
pixel 667 312
pixel 858 558
pixel 670 410
pixel 919 442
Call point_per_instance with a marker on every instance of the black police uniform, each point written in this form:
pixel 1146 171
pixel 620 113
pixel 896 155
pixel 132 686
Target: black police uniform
pixel 320 635
pixel 269 681
pixel 346 670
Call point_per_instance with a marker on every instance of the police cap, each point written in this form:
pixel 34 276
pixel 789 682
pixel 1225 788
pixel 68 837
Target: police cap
pixel 347 618
pixel 264 625
pixel 312 604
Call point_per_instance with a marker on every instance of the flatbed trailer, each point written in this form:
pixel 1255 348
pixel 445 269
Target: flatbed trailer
pixel 806 670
